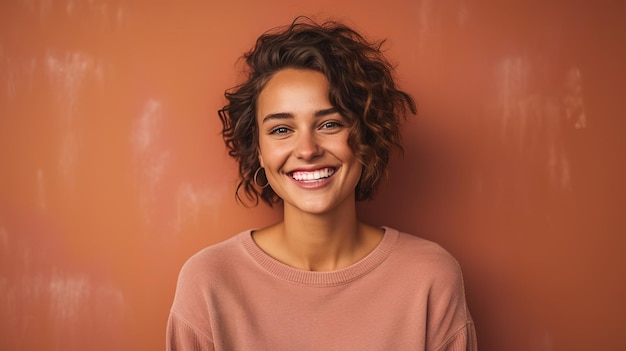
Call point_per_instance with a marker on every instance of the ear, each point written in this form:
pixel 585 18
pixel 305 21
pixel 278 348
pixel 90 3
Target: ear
pixel 260 158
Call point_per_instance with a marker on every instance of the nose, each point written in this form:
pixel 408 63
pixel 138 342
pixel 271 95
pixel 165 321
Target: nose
pixel 307 146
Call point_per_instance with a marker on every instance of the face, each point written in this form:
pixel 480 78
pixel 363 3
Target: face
pixel 303 143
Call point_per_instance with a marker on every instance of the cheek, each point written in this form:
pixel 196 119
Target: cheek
pixel 343 150
pixel 271 157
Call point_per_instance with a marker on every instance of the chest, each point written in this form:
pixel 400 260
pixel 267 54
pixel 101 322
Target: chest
pixel 354 316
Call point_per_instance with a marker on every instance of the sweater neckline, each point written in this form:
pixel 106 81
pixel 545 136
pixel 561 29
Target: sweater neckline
pixel 321 279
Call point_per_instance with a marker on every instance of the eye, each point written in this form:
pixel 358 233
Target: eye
pixel 331 125
pixel 279 131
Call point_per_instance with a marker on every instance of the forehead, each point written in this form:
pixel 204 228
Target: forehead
pixel 290 88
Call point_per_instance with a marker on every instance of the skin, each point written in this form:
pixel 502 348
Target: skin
pixel 303 146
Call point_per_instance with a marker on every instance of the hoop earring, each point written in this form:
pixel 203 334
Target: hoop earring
pixel 256 182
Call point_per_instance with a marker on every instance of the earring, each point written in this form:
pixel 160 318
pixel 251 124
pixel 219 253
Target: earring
pixel 256 182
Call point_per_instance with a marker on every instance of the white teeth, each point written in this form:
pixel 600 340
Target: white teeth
pixel 314 175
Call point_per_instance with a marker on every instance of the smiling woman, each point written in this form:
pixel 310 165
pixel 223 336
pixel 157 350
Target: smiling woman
pixel 303 145
pixel 312 128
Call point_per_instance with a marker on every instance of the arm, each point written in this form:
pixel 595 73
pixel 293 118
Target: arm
pixel 189 323
pixel 463 340
pixel 450 323
pixel 182 335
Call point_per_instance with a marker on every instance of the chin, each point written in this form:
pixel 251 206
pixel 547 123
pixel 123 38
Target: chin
pixel 314 208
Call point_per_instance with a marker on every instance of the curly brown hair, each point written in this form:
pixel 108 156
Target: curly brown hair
pixel 362 89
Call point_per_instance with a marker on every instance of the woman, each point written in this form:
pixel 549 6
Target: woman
pixel 312 128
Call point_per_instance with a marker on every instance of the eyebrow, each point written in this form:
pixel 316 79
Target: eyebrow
pixel 286 115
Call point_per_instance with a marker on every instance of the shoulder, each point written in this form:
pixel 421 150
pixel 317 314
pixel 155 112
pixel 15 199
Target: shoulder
pixel 202 273
pixel 419 257
pixel 211 262
pixel 423 251
pixel 436 275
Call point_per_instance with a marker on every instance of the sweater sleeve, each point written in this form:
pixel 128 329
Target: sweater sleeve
pixel 182 336
pixel 450 326
pixel 188 325
pixel 463 340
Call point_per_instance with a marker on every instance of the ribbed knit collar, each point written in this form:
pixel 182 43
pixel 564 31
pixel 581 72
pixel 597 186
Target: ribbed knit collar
pixel 321 279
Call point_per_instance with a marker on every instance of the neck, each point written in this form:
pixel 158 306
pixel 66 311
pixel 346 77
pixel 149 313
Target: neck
pixel 324 242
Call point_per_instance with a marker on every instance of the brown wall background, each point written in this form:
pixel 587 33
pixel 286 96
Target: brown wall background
pixel 112 171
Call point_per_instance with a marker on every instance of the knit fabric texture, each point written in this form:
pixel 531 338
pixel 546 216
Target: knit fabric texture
pixel 407 294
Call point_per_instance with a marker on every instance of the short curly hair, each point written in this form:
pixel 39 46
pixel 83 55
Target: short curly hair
pixel 362 89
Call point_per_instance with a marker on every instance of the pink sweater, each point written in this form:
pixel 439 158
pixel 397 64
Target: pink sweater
pixel 405 295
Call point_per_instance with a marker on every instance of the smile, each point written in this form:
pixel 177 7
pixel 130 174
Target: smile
pixel 316 175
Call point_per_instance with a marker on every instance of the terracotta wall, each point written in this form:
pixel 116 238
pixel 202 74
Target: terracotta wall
pixel 112 171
